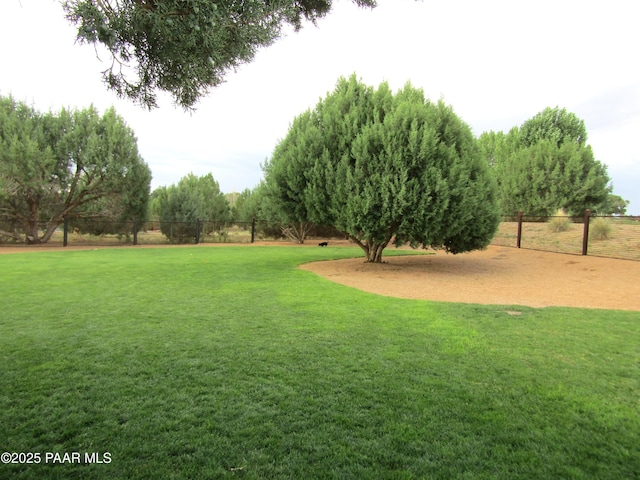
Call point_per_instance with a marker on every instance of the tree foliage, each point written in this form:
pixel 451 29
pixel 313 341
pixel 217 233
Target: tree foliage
pixel 544 177
pixel 546 164
pixel 553 124
pixel 612 205
pixel 247 206
pixel 178 207
pixel 385 168
pixel 284 192
pixel 183 47
pixel 73 164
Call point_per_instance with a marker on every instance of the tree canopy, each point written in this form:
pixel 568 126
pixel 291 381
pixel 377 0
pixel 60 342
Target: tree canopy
pixel 245 208
pixel 72 164
pixel 553 124
pixel 612 205
pixel 184 47
pixel 545 165
pixel 385 168
pixel 194 198
pixel 544 177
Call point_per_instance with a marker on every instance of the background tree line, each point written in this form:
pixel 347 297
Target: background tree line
pixel 364 163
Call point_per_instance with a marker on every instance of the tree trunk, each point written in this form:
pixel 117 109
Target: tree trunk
pixel 372 249
pixel 51 229
pixel 32 233
pixel 374 255
pixel 297 232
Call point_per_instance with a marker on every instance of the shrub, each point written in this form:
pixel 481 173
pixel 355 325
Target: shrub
pixel 559 222
pixel 600 229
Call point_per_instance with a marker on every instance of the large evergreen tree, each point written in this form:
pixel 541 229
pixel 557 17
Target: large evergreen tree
pixel 386 168
pixel 66 165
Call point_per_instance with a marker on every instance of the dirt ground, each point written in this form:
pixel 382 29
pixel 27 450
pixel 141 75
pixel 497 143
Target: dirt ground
pixel 498 275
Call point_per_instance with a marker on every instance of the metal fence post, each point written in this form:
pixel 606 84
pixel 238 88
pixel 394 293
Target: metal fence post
pixel 585 235
pixel 197 231
pixel 253 229
pixel 135 232
pixel 65 232
pixel 520 214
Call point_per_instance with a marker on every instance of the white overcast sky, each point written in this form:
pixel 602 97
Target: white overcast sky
pixel 497 63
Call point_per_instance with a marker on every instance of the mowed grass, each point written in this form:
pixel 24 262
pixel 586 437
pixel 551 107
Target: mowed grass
pixel 229 362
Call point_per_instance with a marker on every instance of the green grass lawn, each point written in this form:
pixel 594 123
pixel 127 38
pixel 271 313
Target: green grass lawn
pixel 229 362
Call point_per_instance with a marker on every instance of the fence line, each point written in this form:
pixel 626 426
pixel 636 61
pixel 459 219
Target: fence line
pixel 604 236
pixel 105 232
pixel 612 236
pixel 149 233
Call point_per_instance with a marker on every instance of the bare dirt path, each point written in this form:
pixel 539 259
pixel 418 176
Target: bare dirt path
pixel 498 275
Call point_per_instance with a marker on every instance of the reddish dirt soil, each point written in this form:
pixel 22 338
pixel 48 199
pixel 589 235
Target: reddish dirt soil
pixel 498 275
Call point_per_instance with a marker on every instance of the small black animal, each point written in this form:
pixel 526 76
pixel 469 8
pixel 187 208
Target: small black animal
pixel 323 244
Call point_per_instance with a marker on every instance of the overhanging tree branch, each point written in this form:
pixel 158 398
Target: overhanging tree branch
pixel 187 47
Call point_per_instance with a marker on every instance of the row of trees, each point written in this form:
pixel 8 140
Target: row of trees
pixel 199 200
pixel 383 167
pixel 374 165
pixel 74 164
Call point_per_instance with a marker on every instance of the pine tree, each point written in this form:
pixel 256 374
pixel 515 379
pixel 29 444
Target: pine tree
pixel 386 168
pixel 65 165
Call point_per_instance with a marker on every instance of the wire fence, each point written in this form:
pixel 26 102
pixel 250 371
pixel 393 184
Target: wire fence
pixel 614 236
pixel 603 236
pixel 105 232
